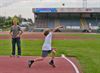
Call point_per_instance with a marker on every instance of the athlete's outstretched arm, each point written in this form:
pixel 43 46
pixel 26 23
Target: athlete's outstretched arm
pixel 56 28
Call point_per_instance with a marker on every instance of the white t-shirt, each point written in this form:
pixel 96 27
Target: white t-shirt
pixel 47 43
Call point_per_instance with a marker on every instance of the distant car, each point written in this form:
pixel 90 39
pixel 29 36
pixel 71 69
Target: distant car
pixel 0 30
pixel 23 28
pixel 24 25
pixel 98 30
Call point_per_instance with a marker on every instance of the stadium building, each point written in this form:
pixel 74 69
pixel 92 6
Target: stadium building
pixel 83 15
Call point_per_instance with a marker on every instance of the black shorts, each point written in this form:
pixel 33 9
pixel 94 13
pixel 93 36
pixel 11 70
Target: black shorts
pixel 45 53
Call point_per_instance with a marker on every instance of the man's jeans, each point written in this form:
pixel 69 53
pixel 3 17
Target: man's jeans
pixel 14 42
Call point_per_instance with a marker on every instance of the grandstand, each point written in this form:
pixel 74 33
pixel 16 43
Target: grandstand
pixel 80 18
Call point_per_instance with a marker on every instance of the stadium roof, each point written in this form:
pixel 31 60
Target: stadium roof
pixel 68 3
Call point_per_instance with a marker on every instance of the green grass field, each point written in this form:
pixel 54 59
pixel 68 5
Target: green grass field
pixel 86 51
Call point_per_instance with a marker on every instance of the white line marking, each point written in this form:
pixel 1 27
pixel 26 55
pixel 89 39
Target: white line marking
pixel 74 66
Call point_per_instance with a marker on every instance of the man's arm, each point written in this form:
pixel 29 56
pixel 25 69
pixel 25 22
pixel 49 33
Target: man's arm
pixel 10 31
pixel 20 33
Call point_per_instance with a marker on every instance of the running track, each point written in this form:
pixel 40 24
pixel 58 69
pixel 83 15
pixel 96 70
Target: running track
pixel 19 65
pixel 39 35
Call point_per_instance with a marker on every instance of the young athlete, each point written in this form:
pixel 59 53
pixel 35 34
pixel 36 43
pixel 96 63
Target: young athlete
pixel 46 48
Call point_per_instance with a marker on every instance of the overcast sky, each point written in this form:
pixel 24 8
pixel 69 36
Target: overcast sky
pixel 24 7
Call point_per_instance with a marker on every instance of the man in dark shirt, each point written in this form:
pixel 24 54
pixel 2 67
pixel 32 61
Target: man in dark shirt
pixel 16 32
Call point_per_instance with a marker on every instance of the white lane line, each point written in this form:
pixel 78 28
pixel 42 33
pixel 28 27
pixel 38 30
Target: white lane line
pixel 74 66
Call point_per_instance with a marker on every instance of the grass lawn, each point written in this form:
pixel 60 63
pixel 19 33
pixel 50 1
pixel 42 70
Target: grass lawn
pixel 86 51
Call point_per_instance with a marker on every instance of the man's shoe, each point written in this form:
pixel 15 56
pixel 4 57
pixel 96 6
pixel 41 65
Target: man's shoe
pixel 30 62
pixel 18 56
pixel 52 63
pixel 12 55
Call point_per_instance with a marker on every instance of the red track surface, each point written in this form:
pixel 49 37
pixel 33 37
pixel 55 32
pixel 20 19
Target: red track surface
pixel 39 35
pixel 19 65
